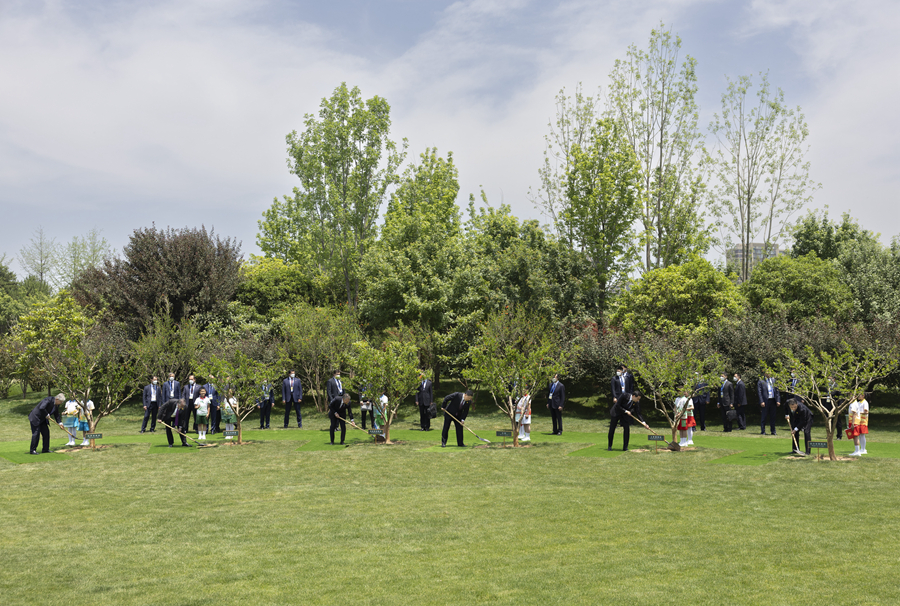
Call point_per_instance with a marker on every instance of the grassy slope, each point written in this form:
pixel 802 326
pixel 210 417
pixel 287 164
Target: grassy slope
pixel 412 524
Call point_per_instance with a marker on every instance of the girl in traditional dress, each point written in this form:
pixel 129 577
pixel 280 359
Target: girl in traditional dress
pixel 201 403
pixel 523 417
pixel 228 416
pixel 684 411
pixel 859 425
pixel 70 422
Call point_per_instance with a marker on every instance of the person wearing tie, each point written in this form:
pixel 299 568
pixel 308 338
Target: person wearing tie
pixel 170 413
pixel 264 404
pixel 424 400
pixel 292 395
pixel 618 383
pixel 339 412
pixel 769 399
pixel 740 401
pixel 152 400
pixel 726 401
pixel 189 393
pixel 171 389
pixel 334 388
pixel 215 414
pixel 555 402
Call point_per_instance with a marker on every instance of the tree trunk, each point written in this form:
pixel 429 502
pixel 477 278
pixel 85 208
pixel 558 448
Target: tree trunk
pixel 675 431
pixel 829 431
pixel 515 432
pixel 240 435
pixel 387 432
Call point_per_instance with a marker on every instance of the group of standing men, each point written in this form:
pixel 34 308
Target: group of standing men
pixel 156 395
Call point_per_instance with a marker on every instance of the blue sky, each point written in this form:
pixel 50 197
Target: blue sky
pixel 119 114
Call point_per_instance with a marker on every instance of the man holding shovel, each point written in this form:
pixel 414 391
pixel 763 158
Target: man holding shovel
pixel 627 406
pixel 456 409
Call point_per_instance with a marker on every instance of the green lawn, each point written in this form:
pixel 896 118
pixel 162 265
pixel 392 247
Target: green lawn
pixel 290 520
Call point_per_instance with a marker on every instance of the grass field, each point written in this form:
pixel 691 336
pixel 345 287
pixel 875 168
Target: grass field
pixel 290 520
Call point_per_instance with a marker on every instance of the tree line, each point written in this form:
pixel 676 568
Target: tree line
pixel 634 201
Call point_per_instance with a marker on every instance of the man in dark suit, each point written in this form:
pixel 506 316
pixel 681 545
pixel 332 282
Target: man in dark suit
pixel 627 403
pixel 740 401
pixel 726 401
pixel 339 412
pixel 39 418
pixel 334 388
pixel 769 400
pixel 169 413
pixel 171 389
pixel 215 416
pixel 189 393
pixel 619 383
pixel 701 399
pixel 152 400
pixel 424 400
pixel 556 400
pixel 292 396
pixel 457 404
pixel 800 419
pixel 264 404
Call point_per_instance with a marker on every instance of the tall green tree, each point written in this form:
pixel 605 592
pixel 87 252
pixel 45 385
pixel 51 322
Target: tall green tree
pixel 604 192
pixel 654 98
pixel 575 117
pixel 760 167
pixel 345 162
pixel 409 272
pixel 80 254
pixel 40 257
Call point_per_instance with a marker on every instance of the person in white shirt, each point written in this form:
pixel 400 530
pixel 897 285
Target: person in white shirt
pixel 201 404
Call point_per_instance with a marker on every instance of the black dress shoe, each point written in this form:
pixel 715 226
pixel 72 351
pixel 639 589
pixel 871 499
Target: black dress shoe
pixel 342 444
pixel 624 450
pixel 34 452
pixel 332 443
pixel 152 431
pixel 773 433
pixel 610 448
pixel 170 446
pixel 461 445
pixel 45 452
pixel 762 433
pixel 443 445
pixel 141 431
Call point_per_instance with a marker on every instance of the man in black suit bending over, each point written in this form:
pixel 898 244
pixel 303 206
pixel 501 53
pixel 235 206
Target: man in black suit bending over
pixel 339 412
pixel 556 399
pixel 457 404
pixel 627 403
pixel 40 421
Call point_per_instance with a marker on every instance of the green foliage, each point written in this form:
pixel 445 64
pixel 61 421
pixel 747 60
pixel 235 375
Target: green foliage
pixel 604 193
pixel 168 346
pixel 269 284
pixel 515 351
pixel 814 232
pixel 345 162
pixel 677 299
pixel 40 257
pixel 830 380
pixel 392 368
pixel 667 368
pixel 872 273
pixel 798 289
pixel 655 101
pixel 242 376
pixel 410 272
pixel 178 272
pixel 314 341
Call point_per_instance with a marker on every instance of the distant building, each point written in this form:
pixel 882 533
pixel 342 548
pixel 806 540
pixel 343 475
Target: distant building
pixel 734 258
